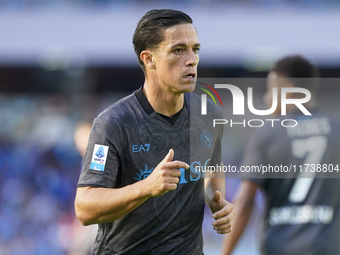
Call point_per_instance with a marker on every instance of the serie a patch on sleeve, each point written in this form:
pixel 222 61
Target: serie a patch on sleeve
pixel 99 157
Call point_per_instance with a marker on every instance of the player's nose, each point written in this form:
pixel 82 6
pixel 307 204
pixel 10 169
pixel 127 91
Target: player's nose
pixel 192 59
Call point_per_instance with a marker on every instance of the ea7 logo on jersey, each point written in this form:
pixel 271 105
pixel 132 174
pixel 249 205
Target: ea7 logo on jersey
pixel 99 157
pixel 139 148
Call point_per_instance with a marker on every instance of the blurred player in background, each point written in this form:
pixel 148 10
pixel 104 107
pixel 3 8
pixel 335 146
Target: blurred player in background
pixel 81 136
pixel 301 214
pixel 136 181
pixel 82 238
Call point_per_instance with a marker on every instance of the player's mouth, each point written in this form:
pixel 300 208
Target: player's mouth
pixel 190 76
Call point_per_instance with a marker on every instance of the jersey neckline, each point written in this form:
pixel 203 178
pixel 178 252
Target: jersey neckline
pixel 143 101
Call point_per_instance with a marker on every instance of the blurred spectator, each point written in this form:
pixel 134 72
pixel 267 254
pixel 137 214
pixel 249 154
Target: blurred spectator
pixel 81 238
pixel 39 167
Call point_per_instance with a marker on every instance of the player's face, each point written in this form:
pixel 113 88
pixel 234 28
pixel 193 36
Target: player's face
pixel 176 59
pixel 273 81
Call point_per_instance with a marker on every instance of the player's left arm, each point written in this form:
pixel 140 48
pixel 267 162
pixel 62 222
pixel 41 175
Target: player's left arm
pixel 222 210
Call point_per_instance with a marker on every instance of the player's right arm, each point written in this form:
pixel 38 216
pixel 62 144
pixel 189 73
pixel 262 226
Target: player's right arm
pixel 99 205
pixel 243 206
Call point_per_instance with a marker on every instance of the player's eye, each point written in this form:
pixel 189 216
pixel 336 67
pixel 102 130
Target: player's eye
pixel 196 50
pixel 178 51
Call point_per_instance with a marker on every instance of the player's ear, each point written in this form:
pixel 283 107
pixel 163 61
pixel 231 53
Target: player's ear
pixel 147 57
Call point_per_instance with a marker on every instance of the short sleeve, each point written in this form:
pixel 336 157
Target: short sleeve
pixel 101 161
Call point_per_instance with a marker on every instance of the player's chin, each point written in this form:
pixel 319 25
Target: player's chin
pixel 188 86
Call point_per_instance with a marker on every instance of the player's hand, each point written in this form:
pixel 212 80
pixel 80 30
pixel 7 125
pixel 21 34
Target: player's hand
pixel 165 176
pixel 223 213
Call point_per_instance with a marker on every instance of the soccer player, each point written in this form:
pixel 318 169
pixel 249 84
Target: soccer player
pixel 301 214
pixel 139 180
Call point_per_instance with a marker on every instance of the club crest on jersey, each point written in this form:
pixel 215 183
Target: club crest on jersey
pixel 206 139
pixel 143 173
pixel 99 157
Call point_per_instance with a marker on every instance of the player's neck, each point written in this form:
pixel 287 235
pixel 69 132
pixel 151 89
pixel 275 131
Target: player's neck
pixel 163 102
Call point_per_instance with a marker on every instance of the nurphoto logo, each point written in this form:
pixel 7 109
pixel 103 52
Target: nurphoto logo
pixel 238 104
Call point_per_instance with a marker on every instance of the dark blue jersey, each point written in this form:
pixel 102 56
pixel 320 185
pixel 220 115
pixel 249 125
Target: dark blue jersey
pixel 128 140
pixel 302 212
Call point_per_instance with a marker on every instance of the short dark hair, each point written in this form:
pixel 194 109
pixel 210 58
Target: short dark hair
pixel 149 31
pixel 296 67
